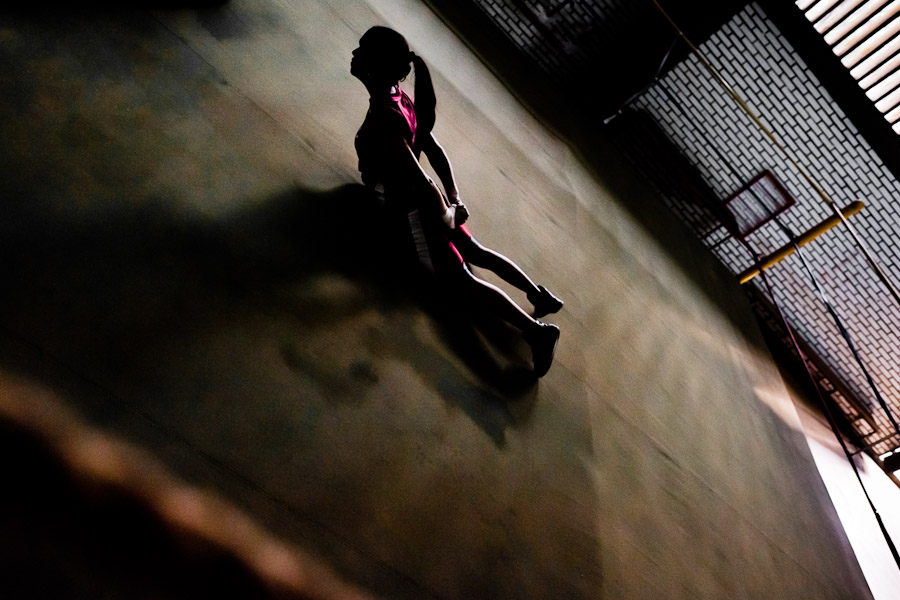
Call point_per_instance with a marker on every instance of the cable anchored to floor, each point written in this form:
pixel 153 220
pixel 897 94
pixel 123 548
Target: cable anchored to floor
pixel 828 415
pixel 795 242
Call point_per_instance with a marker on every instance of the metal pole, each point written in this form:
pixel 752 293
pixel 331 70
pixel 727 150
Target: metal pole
pixel 777 256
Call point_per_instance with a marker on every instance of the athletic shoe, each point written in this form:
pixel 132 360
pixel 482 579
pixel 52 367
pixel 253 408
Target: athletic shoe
pixel 544 302
pixel 542 339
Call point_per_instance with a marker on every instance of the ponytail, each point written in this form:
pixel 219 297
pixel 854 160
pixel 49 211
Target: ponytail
pixel 426 101
pixel 389 53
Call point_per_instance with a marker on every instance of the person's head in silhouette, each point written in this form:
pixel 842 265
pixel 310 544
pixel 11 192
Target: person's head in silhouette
pixel 383 60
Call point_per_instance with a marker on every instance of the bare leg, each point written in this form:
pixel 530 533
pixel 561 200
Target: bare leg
pixel 542 337
pixel 506 269
pixel 543 300
pixel 495 300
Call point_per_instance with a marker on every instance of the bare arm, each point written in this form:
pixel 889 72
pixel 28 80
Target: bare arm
pixel 405 173
pixel 440 162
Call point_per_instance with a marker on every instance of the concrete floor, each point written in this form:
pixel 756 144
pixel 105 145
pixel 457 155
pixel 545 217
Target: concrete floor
pixel 201 323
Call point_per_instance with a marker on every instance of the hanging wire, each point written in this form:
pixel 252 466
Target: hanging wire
pixel 870 258
pixel 831 420
pixel 784 228
pixel 824 298
pixel 821 292
pixel 789 233
pixel 653 81
pixel 844 333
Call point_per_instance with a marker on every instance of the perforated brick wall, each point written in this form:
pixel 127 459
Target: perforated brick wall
pixel 729 150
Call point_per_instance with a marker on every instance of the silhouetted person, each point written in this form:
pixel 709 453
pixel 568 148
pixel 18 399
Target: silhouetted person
pixel 388 144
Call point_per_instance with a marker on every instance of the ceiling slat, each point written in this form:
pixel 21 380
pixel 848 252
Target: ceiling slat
pixel 868 30
pixel 886 51
pixel 816 12
pixel 889 102
pixel 885 86
pixel 893 116
pixel 848 24
pixel 871 44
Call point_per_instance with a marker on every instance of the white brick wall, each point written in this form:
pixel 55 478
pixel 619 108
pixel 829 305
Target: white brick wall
pixel 760 64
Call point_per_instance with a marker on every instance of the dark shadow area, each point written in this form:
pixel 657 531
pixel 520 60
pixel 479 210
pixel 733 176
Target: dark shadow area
pixel 95 296
pixel 67 537
pixel 102 288
pixel 615 47
pixel 347 231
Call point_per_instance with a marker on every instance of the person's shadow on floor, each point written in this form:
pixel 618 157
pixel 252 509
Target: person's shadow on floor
pixel 348 231
pixel 103 287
